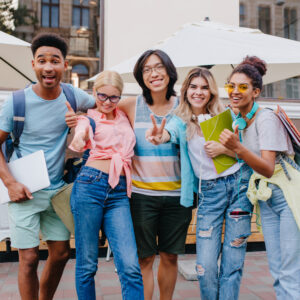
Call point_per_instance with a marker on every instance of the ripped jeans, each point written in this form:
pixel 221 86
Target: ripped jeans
pixel 219 199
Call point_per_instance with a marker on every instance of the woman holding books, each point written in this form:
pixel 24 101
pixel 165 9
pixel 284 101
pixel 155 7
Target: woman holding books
pixel 266 147
pixel 221 196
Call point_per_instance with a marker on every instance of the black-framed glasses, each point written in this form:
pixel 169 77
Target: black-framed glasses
pixel 103 97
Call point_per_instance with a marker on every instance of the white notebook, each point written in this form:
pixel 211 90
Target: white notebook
pixel 31 170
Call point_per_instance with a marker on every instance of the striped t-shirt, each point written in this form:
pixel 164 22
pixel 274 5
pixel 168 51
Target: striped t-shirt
pixel 156 169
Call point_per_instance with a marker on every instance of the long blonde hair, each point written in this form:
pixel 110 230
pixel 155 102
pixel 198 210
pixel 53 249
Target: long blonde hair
pixel 184 109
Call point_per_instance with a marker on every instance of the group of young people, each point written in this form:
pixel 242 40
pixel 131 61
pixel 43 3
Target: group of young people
pixel 147 158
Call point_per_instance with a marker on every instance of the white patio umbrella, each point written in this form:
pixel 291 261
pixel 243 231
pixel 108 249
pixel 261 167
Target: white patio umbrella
pixel 15 63
pixel 222 47
pixel 15 73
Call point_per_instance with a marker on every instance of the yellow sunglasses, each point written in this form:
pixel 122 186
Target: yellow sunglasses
pixel 242 88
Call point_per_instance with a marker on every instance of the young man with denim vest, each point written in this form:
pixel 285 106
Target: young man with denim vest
pixel 44 129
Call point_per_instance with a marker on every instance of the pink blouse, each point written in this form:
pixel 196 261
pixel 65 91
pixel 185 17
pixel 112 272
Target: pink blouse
pixel 113 139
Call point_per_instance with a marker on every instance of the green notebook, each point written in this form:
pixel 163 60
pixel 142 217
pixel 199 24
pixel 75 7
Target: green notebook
pixel 211 130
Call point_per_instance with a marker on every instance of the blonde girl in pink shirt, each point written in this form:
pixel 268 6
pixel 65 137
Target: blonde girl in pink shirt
pixel 101 190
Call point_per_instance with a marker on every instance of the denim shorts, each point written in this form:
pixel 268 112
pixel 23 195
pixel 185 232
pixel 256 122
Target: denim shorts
pixel 160 224
pixel 30 217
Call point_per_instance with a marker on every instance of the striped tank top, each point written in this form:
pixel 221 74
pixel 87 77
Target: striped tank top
pixel 155 169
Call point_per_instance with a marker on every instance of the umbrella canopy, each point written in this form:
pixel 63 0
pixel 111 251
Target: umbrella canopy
pixel 15 63
pixel 222 47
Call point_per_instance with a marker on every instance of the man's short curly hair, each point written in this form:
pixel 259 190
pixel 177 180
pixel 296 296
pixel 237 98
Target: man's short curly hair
pixel 50 40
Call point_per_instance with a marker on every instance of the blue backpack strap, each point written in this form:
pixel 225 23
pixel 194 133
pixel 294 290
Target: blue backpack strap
pixel 69 93
pixel 18 118
pixel 86 153
pixel 92 123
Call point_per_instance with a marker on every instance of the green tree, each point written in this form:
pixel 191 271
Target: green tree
pixel 12 17
pixel 6 16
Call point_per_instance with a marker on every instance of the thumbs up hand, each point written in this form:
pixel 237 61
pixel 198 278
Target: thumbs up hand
pixel 70 117
pixel 230 139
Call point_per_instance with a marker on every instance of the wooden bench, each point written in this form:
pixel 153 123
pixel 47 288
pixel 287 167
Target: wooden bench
pixel 256 236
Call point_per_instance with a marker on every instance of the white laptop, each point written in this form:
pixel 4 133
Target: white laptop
pixel 31 170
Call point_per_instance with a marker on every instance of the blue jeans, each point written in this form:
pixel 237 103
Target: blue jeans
pixel 282 239
pixel 219 199
pixel 94 202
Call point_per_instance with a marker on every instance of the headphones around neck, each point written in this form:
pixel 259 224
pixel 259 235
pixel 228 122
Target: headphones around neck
pixel 241 122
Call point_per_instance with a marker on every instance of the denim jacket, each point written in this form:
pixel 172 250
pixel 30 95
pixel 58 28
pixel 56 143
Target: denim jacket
pixel 189 182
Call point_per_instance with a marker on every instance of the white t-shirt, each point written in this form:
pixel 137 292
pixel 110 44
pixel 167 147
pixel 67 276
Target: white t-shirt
pixel 267 133
pixel 45 128
pixel 203 165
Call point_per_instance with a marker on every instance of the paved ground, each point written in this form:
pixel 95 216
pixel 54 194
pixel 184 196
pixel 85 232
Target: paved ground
pixel 256 283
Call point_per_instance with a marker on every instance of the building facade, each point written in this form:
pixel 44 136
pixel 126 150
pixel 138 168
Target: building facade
pixel 76 21
pixel 280 18
pixel 133 26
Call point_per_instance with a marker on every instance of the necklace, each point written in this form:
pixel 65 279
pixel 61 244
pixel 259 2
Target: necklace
pixel 200 118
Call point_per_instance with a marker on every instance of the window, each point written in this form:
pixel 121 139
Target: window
pixel 290 23
pixel 242 15
pixel 81 13
pixel 82 73
pixel 50 13
pixel 268 91
pixel 292 88
pixel 264 19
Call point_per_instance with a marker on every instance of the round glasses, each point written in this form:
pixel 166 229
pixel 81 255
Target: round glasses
pixel 158 68
pixel 242 88
pixel 103 97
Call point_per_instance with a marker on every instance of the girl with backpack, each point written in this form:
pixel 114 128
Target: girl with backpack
pixel 265 146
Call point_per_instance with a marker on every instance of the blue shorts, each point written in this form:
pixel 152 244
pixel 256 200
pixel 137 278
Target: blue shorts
pixel 30 217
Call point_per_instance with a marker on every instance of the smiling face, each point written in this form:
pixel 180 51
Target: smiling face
pixel 155 75
pixel 107 107
pixel 242 100
pixel 49 65
pixel 198 95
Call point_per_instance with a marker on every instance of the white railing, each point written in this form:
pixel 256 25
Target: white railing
pixel 291 107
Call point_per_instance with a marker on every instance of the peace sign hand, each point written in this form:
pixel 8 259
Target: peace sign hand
pixel 154 135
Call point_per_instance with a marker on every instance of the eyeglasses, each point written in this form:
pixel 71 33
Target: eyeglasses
pixel 242 88
pixel 103 97
pixel 158 68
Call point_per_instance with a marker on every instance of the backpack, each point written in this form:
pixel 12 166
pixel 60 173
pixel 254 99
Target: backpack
pixel 297 153
pixel 292 131
pixel 73 165
pixel 288 125
pixel 12 142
